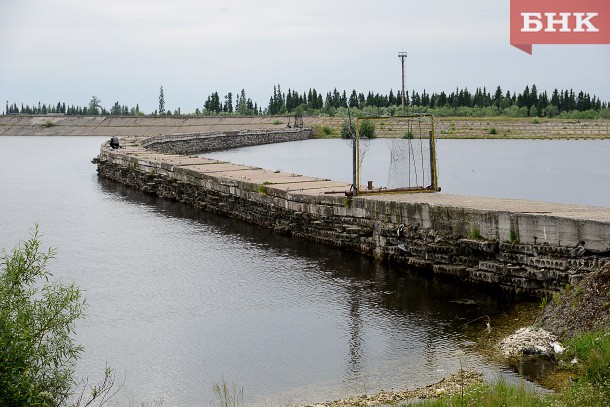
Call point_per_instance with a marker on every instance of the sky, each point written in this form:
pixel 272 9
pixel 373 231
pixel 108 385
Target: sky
pixel 125 50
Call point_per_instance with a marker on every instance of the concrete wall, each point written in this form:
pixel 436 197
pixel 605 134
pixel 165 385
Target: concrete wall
pixel 513 249
pixel 204 142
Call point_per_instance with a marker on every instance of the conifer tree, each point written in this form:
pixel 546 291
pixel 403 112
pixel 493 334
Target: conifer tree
pixel 161 102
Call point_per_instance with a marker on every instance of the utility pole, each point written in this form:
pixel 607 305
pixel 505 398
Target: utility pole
pixel 403 56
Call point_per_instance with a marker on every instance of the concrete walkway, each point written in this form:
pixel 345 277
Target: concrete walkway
pixel 290 182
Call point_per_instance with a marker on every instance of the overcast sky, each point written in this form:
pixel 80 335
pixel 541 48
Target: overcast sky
pixel 124 50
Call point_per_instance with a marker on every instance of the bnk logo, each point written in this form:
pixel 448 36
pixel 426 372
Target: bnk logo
pixel 559 22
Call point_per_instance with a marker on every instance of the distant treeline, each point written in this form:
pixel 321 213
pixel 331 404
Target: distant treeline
pixel 461 102
pixel 93 109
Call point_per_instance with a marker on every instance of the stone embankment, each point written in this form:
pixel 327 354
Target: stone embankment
pixel 447 127
pixel 521 246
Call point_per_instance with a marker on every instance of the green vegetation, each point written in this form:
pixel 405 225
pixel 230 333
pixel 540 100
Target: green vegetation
pixel 48 123
pixel 492 395
pixel 475 233
pixel 276 122
pixel 37 319
pixel 37 353
pixel 459 103
pixel 513 236
pixel 592 350
pixel 367 129
pixel 544 302
pixel 327 130
pixel 262 188
pixel 493 131
pixel 323 131
pixel 95 106
pixel 161 101
pixel 408 135
pixel 587 357
pixel 348 130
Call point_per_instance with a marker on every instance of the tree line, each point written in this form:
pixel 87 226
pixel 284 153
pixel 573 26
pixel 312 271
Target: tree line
pixel 529 103
pixel 461 102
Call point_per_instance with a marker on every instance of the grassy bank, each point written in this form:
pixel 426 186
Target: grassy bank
pixel 581 315
pixel 587 361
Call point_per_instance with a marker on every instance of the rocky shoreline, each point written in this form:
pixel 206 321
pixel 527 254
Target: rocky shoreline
pixel 448 386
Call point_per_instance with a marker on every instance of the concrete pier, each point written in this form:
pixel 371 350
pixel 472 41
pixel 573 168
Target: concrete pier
pixel 526 247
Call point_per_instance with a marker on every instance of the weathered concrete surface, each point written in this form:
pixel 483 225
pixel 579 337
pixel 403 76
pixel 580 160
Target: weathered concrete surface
pixel 448 127
pixel 522 246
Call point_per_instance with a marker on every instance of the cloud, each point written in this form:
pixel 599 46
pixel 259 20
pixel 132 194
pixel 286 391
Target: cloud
pixel 125 49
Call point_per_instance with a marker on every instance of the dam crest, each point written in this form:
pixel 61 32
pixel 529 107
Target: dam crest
pixel 523 247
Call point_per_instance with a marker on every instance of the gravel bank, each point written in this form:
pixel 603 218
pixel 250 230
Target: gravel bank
pixel 448 386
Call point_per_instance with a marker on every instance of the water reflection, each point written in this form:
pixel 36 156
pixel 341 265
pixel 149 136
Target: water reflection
pixel 381 325
pixel 180 298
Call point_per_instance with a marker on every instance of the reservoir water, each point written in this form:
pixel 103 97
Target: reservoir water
pixel 562 171
pixel 181 299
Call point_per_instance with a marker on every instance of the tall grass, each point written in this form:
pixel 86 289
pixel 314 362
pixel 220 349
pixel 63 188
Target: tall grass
pixel 228 396
pixel 591 383
pixel 495 394
pixel 592 350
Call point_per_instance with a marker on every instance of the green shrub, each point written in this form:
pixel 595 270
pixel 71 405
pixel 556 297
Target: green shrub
pixel 327 130
pixel 37 320
pixel 493 131
pixel 367 129
pixel 347 131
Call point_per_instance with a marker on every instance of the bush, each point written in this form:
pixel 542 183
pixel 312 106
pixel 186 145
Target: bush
pixel 367 129
pixel 327 130
pixel 48 123
pixel 37 317
pixel 347 131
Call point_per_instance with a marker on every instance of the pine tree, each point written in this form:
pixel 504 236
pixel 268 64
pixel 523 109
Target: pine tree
pixel 161 101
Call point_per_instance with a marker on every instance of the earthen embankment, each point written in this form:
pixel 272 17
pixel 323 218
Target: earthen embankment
pixel 447 127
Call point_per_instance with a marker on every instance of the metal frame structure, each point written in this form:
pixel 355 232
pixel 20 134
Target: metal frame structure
pixel 433 170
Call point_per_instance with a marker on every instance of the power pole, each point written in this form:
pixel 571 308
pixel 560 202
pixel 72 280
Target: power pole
pixel 403 56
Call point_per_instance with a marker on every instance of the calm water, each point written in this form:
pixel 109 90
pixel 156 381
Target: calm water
pixel 563 171
pixel 179 299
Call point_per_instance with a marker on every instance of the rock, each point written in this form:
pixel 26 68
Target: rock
pixel 447 386
pixel 557 348
pixel 531 341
